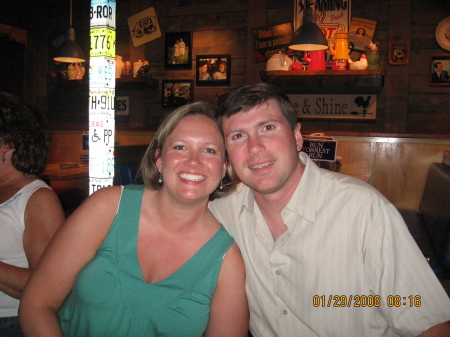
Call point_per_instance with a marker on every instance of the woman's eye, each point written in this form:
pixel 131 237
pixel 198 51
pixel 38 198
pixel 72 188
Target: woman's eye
pixel 210 150
pixel 179 147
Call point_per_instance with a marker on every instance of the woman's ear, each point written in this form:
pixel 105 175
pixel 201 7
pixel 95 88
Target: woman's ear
pixel 158 160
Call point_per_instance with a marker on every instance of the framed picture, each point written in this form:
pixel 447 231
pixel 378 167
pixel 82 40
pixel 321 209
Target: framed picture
pixel 178 51
pixel 398 53
pixel 213 70
pixel 176 93
pixel 439 68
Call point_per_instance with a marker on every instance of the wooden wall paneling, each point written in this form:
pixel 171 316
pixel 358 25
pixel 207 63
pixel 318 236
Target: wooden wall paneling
pixel 356 156
pixel 401 169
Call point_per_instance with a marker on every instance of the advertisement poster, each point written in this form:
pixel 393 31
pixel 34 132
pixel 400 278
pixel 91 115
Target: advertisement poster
pixel 361 32
pixel 331 16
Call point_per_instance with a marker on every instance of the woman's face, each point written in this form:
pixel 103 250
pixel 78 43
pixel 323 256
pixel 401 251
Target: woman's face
pixel 222 68
pixel 203 68
pixel 192 160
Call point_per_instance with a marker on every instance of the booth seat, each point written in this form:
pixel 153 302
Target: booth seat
pixel 430 227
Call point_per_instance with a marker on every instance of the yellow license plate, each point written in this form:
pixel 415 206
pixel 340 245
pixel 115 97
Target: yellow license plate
pixel 103 42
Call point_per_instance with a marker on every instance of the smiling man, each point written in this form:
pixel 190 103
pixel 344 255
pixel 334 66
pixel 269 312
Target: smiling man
pixel 325 254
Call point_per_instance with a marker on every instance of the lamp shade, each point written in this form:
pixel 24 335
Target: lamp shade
pixel 308 37
pixel 70 51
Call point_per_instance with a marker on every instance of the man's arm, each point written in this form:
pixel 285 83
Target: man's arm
pixel 439 330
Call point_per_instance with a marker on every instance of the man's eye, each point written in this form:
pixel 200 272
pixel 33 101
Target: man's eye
pixel 269 127
pixel 236 136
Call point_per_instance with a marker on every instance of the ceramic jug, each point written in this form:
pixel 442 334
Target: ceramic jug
pixel 279 62
pixel 119 66
pixel 340 51
pixel 136 66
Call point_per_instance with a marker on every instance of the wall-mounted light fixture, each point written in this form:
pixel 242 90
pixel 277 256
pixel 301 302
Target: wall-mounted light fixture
pixel 70 51
pixel 308 37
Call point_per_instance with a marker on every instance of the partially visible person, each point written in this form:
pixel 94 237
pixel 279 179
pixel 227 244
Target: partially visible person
pixel 182 47
pixel 147 260
pixel 326 254
pixel 30 212
pixel 203 74
pixel 221 73
pixel 439 75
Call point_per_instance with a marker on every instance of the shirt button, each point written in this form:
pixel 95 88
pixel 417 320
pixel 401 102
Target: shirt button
pixel 284 312
pixel 278 272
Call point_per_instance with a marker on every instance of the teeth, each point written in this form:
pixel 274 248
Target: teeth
pixel 262 165
pixel 192 177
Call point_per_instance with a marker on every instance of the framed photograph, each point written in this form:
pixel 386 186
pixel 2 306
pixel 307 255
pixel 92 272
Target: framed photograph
pixel 398 53
pixel 213 70
pixel 176 93
pixel 178 51
pixel 439 68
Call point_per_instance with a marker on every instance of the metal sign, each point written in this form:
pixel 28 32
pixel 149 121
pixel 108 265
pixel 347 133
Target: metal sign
pixel 101 133
pixel 96 184
pixel 101 102
pixel 102 72
pixel 335 106
pixel 320 149
pixel 103 13
pixel 101 162
pixel 122 105
pixel 103 42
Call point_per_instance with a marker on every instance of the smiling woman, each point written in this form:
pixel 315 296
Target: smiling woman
pixel 179 244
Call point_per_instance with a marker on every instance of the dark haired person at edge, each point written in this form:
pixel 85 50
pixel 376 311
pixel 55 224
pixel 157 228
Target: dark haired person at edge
pixel 147 260
pixel 312 238
pixel 30 212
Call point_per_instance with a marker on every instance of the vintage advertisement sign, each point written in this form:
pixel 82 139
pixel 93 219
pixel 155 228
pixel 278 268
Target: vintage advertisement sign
pixel 122 105
pixel 361 32
pixel 271 40
pixel 335 106
pixel 331 16
pixel 144 27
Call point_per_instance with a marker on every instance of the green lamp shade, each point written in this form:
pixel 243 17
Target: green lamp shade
pixel 70 51
pixel 309 37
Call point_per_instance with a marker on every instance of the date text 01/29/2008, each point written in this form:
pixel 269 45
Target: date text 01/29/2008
pixel 365 301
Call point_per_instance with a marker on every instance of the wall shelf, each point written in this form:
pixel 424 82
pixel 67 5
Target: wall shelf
pixel 327 81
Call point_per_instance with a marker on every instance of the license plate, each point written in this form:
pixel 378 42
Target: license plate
pixel 101 102
pixel 103 42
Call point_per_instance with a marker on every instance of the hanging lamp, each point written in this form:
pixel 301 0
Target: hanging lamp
pixel 70 51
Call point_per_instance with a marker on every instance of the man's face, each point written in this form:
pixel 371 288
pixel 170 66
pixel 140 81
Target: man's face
pixel 439 68
pixel 262 147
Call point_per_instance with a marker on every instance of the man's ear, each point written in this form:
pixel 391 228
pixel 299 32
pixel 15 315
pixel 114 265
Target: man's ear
pixel 298 137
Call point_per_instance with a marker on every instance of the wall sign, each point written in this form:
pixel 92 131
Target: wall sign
pixel 320 149
pixel 271 40
pixel 144 27
pixel 331 16
pixel 122 105
pixel 335 106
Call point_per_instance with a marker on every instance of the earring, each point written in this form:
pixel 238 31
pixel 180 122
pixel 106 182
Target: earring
pixel 3 158
pixel 160 181
pixel 221 186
